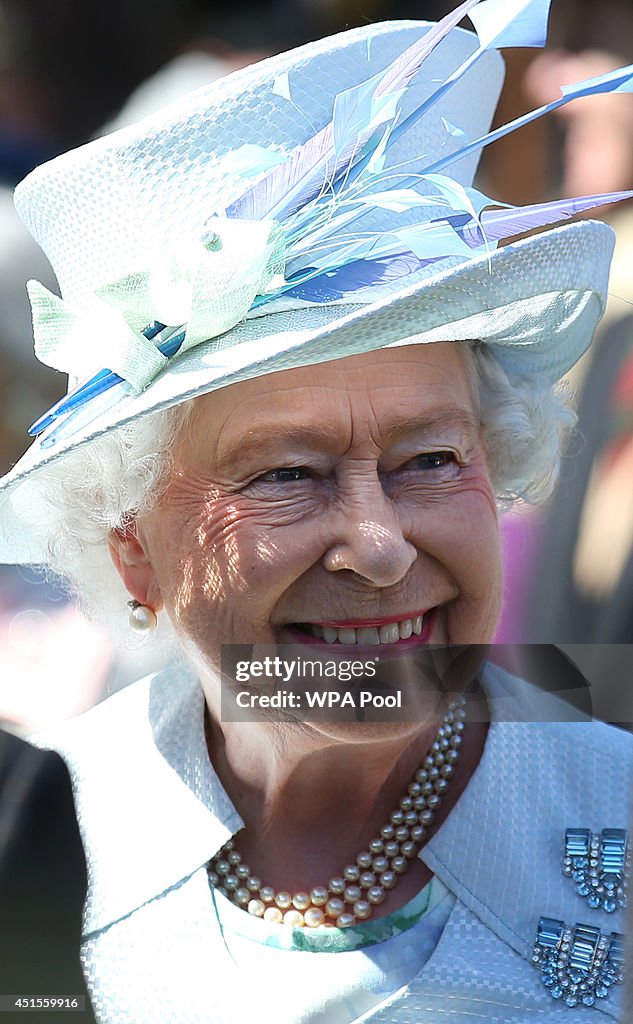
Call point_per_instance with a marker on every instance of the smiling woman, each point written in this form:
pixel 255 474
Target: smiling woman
pixel 285 439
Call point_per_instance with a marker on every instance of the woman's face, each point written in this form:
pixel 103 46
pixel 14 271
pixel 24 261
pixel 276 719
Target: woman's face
pixel 352 495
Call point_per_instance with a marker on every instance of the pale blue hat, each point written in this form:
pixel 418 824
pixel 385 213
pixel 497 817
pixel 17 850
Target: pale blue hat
pixel 315 205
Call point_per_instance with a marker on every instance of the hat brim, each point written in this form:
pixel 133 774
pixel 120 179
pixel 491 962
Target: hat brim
pixel 536 302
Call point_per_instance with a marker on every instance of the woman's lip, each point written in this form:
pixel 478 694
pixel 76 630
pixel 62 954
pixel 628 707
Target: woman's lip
pixel 359 623
pixel 424 637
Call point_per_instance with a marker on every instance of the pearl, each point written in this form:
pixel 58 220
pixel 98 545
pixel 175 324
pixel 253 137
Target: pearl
pixel 294 918
pixel 242 896
pixel 406 803
pixel 231 882
pixel 351 873
pixel 256 908
pixel 399 865
pixel 446 771
pixel 301 901
pixel 352 893
pixel 319 895
pixel 243 871
pixel 426 817
pixel 434 801
pixel 283 900
pixel 414 788
pixel 234 857
pixel 411 817
pixel 141 618
pixel 362 909
pixel 364 859
pixel 376 894
pixel 392 849
pixel 380 864
pixel 367 879
pixel 222 867
pixel 402 833
pixel 345 920
pixel 254 883
pixel 397 818
pixel 273 915
pixel 409 849
pixel 418 833
pixel 213 878
pixel 314 917
pixel 334 907
pixel 267 893
pixel 376 846
pixel 337 886
pixel 388 879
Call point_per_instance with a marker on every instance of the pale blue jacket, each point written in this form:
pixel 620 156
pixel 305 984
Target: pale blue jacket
pixel 152 813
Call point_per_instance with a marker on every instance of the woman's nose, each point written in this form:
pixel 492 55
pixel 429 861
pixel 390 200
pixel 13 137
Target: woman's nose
pixel 371 541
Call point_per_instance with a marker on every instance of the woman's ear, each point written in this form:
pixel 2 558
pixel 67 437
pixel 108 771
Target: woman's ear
pixel 133 565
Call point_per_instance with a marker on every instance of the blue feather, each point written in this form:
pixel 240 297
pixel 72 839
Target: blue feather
pixel 344 281
pixel 501 23
pixel 498 225
pixel 620 80
pixel 323 157
pixel 515 23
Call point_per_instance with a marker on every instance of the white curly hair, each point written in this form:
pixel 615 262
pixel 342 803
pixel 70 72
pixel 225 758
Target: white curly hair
pixel 524 422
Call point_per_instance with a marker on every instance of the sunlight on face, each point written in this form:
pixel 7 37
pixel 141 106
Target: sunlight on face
pixel 342 495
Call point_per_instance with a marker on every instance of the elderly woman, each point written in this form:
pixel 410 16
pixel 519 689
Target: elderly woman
pixel 284 434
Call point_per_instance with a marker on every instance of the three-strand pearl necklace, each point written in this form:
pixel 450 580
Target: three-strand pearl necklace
pixel 351 897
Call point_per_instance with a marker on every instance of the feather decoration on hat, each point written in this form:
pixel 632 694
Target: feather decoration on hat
pixel 319 195
pixel 357 115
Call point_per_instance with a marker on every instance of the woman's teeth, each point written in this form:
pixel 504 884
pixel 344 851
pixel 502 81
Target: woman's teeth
pixel 370 635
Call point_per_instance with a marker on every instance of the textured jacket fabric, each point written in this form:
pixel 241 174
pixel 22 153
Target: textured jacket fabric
pixel 152 813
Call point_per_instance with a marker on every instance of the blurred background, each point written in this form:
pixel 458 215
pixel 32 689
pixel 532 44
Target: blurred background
pixel 71 70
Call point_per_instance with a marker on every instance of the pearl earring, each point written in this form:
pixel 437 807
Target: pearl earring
pixel 142 618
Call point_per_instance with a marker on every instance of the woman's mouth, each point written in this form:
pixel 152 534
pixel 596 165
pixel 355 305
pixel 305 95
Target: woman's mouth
pixel 414 628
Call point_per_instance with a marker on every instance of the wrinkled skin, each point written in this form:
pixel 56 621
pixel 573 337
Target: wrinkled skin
pixel 309 495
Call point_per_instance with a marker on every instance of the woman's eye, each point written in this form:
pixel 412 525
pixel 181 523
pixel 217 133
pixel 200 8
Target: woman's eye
pixel 286 475
pixel 432 460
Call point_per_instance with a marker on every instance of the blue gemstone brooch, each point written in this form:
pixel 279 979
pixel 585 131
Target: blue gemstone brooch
pixel 598 864
pixel 578 965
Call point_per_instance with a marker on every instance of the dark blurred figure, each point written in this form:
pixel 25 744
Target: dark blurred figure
pixel 589 536
pixel 42 881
